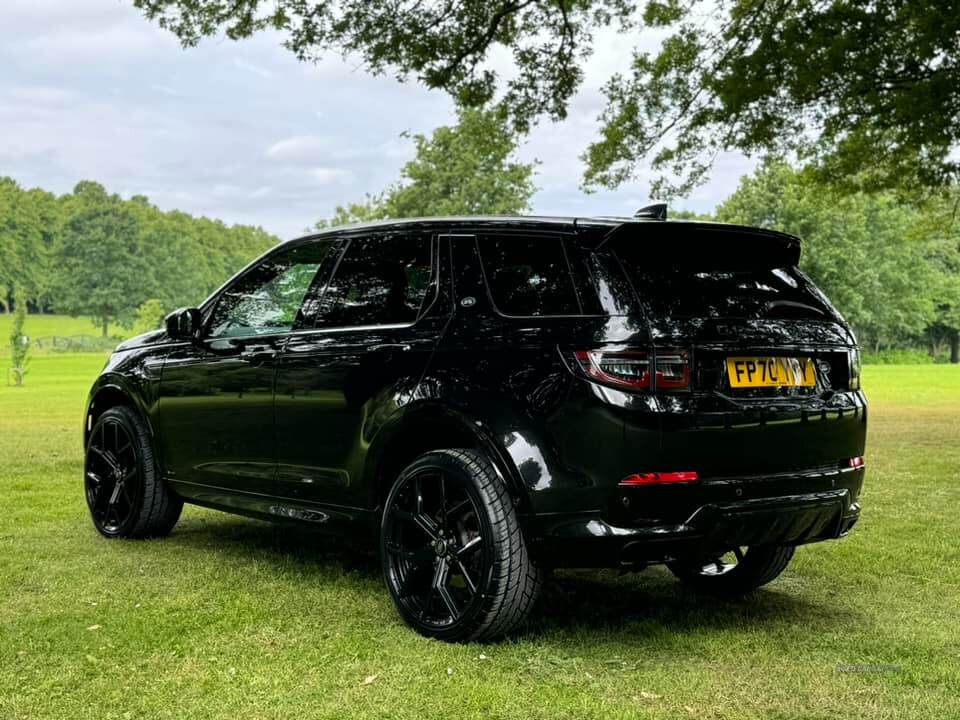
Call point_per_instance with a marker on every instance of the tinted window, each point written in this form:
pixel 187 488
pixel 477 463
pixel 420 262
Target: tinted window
pixel 528 276
pixel 268 298
pixel 381 280
pixel 731 285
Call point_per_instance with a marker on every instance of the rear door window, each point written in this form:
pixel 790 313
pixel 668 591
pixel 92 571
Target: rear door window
pixel 528 276
pixel 380 280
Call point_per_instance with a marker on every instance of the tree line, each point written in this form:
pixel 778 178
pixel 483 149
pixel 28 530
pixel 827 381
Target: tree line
pixel 93 253
pixel 891 267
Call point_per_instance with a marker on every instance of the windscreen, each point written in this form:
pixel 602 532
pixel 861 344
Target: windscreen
pixel 728 279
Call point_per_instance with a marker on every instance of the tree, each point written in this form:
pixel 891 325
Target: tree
pixel 865 92
pixel 868 91
pixel 19 343
pixel 870 254
pixel 150 316
pixel 26 226
pixel 463 169
pixel 103 273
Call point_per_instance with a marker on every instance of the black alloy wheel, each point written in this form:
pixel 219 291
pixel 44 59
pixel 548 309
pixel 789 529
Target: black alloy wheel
pixel 124 493
pixel 736 572
pixel 452 553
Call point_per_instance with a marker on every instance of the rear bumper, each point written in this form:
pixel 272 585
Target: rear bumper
pixel 589 540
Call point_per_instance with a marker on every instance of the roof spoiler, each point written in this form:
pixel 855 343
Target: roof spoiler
pixel 712 233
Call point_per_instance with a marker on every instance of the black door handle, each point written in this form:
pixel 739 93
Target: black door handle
pixel 258 352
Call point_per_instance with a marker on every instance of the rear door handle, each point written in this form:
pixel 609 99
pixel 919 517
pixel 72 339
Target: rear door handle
pixel 258 352
pixel 399 347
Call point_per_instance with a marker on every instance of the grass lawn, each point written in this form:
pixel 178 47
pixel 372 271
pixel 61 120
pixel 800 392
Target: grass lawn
pixel 233 618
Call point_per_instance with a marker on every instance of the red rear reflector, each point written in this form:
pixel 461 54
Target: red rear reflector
pixel 657 478
pixel 855 462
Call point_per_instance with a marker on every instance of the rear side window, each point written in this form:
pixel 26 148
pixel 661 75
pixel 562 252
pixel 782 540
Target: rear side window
pixel 528 276
pixel 380 280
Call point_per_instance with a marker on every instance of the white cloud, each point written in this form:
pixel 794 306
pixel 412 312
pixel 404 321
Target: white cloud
pixel 328 176
pixel 300 149
pixel 252 68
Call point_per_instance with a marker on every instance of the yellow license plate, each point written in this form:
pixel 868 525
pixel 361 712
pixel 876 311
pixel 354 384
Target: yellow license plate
pixel 747 372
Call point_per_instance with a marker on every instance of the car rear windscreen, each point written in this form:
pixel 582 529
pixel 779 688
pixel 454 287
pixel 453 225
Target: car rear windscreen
pixel 729 280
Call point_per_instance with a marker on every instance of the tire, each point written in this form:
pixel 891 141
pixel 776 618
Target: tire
pixel 125 494
pixel 752 569
pixel 453 555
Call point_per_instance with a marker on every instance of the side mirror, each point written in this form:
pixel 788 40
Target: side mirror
pixel 183 324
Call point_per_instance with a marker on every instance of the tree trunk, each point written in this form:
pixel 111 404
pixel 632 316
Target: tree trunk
pixel 955 347
pixel 105 323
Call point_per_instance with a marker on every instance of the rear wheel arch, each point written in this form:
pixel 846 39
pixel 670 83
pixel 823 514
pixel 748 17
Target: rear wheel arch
pixel 426 429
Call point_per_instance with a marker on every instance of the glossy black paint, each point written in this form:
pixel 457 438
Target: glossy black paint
pixel 314 424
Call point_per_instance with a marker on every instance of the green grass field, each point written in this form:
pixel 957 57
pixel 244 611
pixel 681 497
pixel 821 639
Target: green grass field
pixel 233 618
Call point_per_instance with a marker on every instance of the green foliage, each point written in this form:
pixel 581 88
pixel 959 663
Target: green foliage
pixel 901 356
pixel 150 316
pixel 887 266
pixel 463 169
pixel 19 343
pixel 862 91
pixel 28 223
pixel 92 253
pixel 104 273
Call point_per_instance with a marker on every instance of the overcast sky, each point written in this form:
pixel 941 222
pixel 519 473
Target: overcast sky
pixel 89 89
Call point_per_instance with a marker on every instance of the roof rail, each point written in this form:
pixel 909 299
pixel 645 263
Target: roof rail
pixel 658 211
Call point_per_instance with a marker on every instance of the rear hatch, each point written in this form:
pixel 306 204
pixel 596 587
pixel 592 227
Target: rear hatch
pixel 773 369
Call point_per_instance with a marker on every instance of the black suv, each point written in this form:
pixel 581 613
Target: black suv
pixel 486 398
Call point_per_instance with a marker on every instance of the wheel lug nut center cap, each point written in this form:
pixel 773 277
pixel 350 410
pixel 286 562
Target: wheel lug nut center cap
pixel 440 547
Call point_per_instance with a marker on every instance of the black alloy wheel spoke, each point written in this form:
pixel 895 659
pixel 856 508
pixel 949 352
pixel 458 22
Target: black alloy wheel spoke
pixel 738 552
pixel 105 457
pixel 454 511
pixel 431 590
pixel 444 590
pixel 466 577
pixel 418 557
pixel 470 547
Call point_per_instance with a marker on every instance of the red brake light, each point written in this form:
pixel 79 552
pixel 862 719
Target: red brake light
pixel 658 478
pixel 631 369
pixel 673 370
pixel 854 462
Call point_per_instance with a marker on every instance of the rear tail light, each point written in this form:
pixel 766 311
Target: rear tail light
pixel 673 370
pixel 631 369
pixel 854 462
pixel 622 369
pixel 659 478
pixel 854 369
